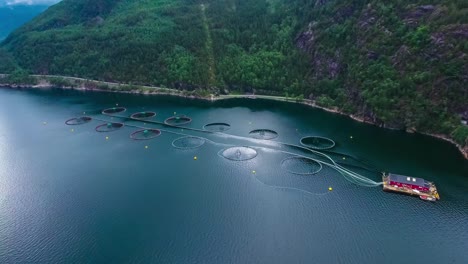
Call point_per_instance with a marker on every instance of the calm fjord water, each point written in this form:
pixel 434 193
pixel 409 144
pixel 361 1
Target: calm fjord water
pixel 74 197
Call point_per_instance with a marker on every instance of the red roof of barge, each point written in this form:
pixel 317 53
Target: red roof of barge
pixel 407 179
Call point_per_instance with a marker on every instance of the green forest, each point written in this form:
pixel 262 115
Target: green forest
pixel 399 64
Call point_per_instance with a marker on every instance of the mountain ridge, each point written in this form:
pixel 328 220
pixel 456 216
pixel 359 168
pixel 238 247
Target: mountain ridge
pixel 14 16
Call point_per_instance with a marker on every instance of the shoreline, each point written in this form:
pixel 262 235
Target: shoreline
pixel 153 90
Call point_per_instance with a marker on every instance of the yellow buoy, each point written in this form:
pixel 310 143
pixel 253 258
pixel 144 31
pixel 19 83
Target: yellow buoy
pixel 146 147
pixel 344 158
pixel 254 172
pixel 330 189
pixel 107 138
pixel 195 158
pixel 351 137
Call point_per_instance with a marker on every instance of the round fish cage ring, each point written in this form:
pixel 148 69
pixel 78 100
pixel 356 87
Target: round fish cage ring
pixel 265 134
pixel 145 134
pixel 113 110
pixel 239 153
pixel 178 120
pixel 316 142
pixel 188 142
pixel 217 127
pixel 78 120
pixel 109 127
pixel 301 165
pixel 143 115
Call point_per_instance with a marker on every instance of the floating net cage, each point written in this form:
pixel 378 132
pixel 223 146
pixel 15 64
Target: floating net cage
pixel 113 110
pixel 239 153
pixel 145 134
pixel 143 115
pixel 78 120
pixel 109 127
pixel 217 127
pixel 263 134
pixel 188 142
pixel 316 142
pixel 301 165
pixel 178 120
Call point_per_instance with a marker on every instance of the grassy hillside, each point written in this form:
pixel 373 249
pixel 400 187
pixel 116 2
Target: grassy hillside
pixel 397 63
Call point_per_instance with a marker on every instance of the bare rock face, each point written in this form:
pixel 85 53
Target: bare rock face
pixel 323 66
pixel 457 32
pixel 460 31
pixel 95 21
pixel 98 20
pixel 320 2
pixel 415 15
pixel 438 39
pixel 306 40
pixel 343 13
pixel 367 18
pixel 444 43
pixel 464 114
pixel 372 55
pixel 401 55
pixel 426 8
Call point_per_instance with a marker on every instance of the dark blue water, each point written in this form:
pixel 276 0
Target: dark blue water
pixel 71 196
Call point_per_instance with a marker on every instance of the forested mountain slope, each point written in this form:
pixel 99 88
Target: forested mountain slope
pixel 397 63
pixel 11 17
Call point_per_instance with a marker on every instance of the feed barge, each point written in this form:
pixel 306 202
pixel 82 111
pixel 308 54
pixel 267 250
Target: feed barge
pixel 426 190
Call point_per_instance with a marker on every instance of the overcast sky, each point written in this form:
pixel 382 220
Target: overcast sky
pixel 27 2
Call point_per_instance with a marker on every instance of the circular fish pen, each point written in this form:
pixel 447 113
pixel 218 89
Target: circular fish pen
pixel 301 165
pixel 316 142
pixel 143 115
pixel 113 110
pixel 239 153
pixel 109 127
pixel 188 142
pixel 78 120
pixel 145 134
pixel 178 120
pixel 217 127
pixel 265 134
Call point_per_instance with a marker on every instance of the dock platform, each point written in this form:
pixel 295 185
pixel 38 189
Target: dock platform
pixel 426 191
